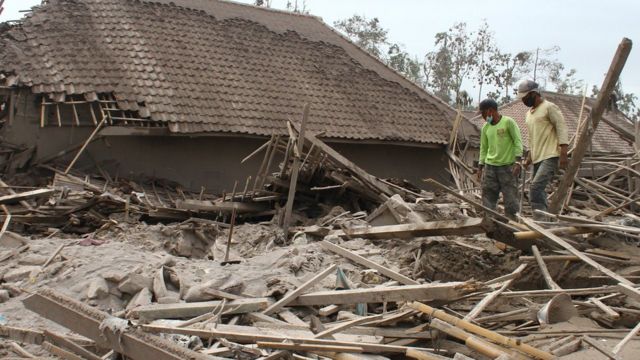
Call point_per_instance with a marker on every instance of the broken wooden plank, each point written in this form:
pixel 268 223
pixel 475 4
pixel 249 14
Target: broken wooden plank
pixel 189 310
pixel 309 347
pixel 87 321
pixel 477 310
pixel 292 295
pixel 594 344
pixel 604 308
pixel 618 348
pixel 252 337
pixel 634 292
pixel 346 325
pixel 224 207
pixel 14 198
pixel 468 226
pixel 544 270
pixel 368 263
pixel 426 292
pixel 70 345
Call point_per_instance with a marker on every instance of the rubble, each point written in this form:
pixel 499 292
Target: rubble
pixel 345 266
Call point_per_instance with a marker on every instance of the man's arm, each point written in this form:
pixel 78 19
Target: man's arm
pixel 484 144
pixel 514 131
pixel 557 119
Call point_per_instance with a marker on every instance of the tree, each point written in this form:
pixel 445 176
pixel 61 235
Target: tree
pixel 506 70
pixel 450 64
pixel 372 37
pixel 398 59
pixel 483 48
pixel 264 3
pixel 567 83
pixel 368 34
pixel 293 7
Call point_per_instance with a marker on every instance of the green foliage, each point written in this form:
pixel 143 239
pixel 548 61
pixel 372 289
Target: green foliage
pixel 372 37
pixel 366 33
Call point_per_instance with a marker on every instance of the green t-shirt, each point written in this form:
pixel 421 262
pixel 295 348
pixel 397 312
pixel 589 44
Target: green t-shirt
pixel 500 144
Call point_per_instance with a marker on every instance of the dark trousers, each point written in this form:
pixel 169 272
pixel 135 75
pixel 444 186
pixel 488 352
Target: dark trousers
pixel 543 173
pixel 497 179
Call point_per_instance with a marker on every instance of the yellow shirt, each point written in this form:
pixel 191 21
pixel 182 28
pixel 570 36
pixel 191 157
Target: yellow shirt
pixel 547 131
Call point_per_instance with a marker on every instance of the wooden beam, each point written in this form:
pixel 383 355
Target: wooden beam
pixel 426 292
pixel 8 199
pixel 594 344
pixel 469 226
pixel 587 132
pixel 190 310
pixel 84 146
pixel 309 347
pixel 532 235
pixel 531 224
pixel 292 295
pixel 225 207
pixel 252 337
pixel 346 325
pixel 368 263
pixel 295 170
pixel 544 270
pixel 87 321
pixel 473 342
pixel 477 310
pixel 618 348
pixel 75 348
pixel 383 189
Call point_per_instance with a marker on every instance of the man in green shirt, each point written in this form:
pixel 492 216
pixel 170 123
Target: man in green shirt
pixel 500 155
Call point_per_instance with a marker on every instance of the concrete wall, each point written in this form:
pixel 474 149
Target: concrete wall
pixel 212 161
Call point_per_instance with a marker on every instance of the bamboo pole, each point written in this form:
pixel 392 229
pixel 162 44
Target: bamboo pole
pixel 84 146
pixel 478 330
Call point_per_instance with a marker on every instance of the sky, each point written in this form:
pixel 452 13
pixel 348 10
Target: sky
pixel 587 31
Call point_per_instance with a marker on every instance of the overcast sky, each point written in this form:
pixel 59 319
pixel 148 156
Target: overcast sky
pixel 587 31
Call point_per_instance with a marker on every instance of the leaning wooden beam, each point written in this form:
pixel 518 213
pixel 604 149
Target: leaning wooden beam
pixel 295 171
pixel 544 270
pixel 477 310
pixel 291 296
pixel 533 226
pixel 7 199
pixel 478 330
pixel 368 263
pixel 383 189
pixel 94 324
pixel 84 146
pixel 427 292
pixel 468 226
pixel 587 132
pixel 70 345
pixel 596 345
pixel 190 310
pixel 618 348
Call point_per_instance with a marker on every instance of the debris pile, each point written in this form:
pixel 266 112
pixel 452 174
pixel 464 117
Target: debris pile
pixel 366 268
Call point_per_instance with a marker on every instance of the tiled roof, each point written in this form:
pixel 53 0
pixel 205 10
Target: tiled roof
pixel 213 66
pixel 605 140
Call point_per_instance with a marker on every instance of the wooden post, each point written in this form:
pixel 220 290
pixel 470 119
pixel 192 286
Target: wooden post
pixel 585 136
pixel 295 169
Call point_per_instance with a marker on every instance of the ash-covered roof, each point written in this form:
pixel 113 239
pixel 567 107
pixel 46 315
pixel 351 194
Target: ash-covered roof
pixel 605 140
pixel 215 66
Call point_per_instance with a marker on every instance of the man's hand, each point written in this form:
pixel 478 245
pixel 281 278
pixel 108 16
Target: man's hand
pixel 516 168
pixel 479 173
pixel 564 158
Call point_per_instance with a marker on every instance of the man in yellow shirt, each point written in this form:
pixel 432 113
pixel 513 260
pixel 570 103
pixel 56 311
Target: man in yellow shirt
pixel 548 142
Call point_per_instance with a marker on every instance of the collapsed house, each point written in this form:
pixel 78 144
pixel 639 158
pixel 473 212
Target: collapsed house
pixel 184 90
